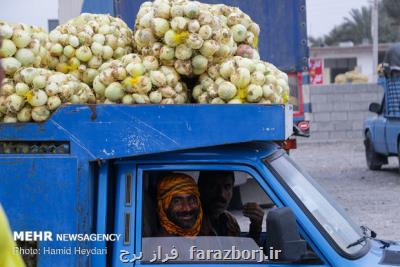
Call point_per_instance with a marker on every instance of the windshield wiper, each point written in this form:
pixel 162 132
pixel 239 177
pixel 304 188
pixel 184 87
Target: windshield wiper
pixel 365 236
pixel 372 235
pixel 387 243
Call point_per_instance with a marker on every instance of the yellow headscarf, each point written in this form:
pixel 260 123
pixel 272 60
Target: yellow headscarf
pixel 8 256
pixel 168 188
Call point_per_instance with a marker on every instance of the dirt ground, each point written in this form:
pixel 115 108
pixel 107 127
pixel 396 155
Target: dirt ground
pixel 371 198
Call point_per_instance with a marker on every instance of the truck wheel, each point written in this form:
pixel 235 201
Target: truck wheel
pixel 374 160
pixel 398 153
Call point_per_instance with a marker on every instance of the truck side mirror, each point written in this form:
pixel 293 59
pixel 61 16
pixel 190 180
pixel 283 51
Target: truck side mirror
pixel 283 234
pixel 375 108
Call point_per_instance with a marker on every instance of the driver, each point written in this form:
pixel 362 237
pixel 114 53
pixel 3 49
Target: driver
pixel 216 190
pixel 178 205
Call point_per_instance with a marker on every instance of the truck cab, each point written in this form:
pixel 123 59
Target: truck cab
pixel 382 132
pixel 86 180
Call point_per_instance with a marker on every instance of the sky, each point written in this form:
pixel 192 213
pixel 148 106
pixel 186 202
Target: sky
pixel 32 12
pixel 323 15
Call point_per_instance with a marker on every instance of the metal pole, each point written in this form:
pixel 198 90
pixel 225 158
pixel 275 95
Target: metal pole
pixel 374 34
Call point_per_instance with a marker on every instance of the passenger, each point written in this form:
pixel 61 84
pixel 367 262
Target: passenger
pixel 391 62
pixel 216 189
pixel 178 205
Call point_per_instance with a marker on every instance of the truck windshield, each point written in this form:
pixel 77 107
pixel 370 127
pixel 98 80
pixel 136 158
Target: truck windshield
pixel 325 211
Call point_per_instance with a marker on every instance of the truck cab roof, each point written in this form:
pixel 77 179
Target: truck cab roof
pixel 249 151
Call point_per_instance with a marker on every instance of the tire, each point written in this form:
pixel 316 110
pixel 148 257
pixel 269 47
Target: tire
pixel 398 153
pixel 374 160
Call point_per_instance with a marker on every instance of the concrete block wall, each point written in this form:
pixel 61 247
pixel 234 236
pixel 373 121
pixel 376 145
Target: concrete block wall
pixel 338 111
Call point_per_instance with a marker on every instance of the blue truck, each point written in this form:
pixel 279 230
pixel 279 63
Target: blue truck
pixel 79 188
pixel 87 175
pixel 382 132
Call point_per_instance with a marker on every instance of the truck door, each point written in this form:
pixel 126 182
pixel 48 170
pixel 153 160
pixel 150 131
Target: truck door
pixel 392 133
pixel 137 220
pixel 380 131
pixel 124 220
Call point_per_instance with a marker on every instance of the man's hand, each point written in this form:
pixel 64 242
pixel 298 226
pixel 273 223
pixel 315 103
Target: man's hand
pixel 254 212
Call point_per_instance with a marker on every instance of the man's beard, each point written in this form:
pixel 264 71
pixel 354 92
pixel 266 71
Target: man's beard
pixel 177 218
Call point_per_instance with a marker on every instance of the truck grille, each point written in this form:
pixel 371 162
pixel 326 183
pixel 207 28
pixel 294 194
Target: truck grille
pixel 34 147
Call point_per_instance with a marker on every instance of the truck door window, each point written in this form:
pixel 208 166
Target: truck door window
pixel 233 213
